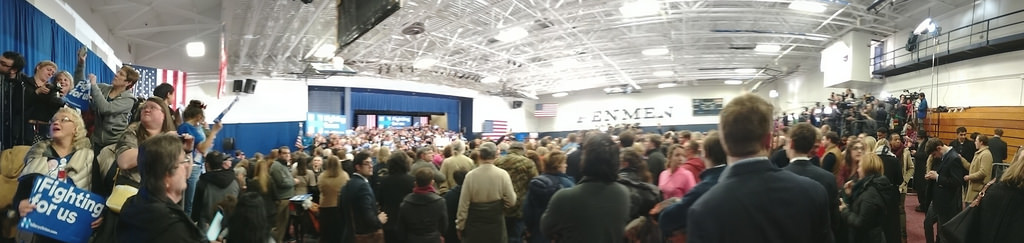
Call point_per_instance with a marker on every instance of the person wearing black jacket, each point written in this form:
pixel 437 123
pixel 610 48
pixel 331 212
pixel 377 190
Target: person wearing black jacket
pixel 358 205
pixel 216 185
pixel 42 99
pixel 997 146
pixel 962 145
pixel 452 204
pixel 948 173
pixel 921 186
pixel 12 81
pixel 655 157
pixel 392 191
pixel 872 197
pixel 423 212
pixel 802 138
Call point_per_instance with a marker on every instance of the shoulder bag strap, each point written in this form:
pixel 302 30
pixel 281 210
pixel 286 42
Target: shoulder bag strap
pixel 982 193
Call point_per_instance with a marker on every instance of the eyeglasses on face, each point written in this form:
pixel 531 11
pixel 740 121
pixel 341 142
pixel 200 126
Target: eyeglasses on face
pixel 61 120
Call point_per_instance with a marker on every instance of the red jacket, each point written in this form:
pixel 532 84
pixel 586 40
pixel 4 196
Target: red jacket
pixel 695 165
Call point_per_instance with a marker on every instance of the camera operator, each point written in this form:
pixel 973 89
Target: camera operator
pixel 11 90
pixel 42 99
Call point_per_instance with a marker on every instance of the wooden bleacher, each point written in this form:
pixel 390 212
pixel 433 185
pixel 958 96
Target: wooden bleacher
pixel 980 119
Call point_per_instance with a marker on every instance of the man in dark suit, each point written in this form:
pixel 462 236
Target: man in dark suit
pixel 997 146
pixel 743 206
pixel 948 172
pixel 802 138
pixel 963 146
pixel 358 203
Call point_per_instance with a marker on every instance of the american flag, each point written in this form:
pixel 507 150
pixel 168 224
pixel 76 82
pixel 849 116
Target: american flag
pixel 149 78
pixel 545 110
pixel 494 129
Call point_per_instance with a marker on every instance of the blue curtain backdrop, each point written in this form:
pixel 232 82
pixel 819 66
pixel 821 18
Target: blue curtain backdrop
pixel 258 137
pixel 37 37
pixel 387 100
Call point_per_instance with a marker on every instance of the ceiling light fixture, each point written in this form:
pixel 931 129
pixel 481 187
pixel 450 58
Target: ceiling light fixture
pixel 664 74
pixel 767 48
pixel 745 70
pixel 655 52
pixel 733 82
pixel 773 93
pixel 808 6
pixel 666 85
pixel 326 50
pixel 512 34
pixel 640 8
pixel 560 94
pixel 490 79
pixel 195 49
pixel 424 63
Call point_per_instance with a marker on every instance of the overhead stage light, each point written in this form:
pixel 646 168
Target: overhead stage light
pixel 640 8
pixel 767 48
pixel 560 94
pixel 808 6
pixel 195 49
pixel 512 34
pixel 926 26
pixel 666 85
pixel 326 50
pixel 664 74
pixel 733 82
pixel 655 52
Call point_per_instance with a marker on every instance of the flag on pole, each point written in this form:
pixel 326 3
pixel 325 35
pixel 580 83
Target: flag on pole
pixel 149 78
pixel 494 129
pixel 222 80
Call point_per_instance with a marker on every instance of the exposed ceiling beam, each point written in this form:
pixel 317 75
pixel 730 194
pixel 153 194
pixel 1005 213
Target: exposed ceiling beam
pixel 301 34
pixel 131 20
pixel 250 27
pixel 145 42
pixel 179 43
pixel 113 8
pixel 164 7
pixel 150 30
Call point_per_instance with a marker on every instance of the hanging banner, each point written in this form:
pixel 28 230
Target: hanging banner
pixel 63 212
pixel 321 123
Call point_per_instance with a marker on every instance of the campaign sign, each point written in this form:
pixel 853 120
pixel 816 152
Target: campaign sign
pixel 79 96
pixel 320 123
pixel 63 212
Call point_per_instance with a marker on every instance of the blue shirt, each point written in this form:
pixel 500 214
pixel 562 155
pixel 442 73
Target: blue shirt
pixel 922 109
pixel 200 136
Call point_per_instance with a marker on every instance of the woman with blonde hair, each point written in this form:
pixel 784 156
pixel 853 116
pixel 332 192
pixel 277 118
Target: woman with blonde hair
pixel 871 195
pixel 330 185
pixel 66 155
pixel 675 181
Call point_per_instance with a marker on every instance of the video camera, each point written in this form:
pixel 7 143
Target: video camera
pixel 911 95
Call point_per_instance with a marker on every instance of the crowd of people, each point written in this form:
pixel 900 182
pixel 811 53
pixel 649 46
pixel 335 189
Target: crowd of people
pixel 749 181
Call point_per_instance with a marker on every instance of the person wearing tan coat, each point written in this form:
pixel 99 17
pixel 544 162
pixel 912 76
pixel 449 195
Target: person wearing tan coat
pixel 980 170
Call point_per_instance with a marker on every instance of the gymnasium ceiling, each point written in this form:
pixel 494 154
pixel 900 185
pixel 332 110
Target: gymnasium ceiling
pixel 570 44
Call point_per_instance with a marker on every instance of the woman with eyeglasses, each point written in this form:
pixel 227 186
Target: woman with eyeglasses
pixel 66 155
pixel 154 119
pixel 42 99
pixel 155 213
pixel 871 195
pixel 855 149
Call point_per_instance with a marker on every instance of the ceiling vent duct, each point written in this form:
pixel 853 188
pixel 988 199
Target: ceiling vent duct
pixel 414 29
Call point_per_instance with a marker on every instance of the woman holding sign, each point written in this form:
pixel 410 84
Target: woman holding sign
pixel 155 214
pixel 67 156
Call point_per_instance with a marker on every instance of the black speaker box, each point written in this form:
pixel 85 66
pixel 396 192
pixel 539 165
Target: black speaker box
pixel 228 144
pixel 250 86
pixel 517 104
pixel 236 86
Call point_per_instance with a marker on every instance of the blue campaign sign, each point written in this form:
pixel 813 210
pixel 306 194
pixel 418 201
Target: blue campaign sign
pixel 63 212
pixel 320 123
pixel 79 96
